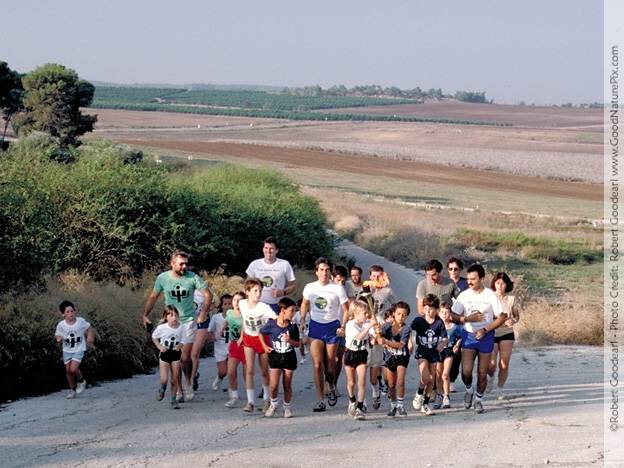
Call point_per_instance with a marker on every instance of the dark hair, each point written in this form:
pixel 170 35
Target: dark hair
pixel 65 304
pixel 446 305
pixel 285 303
pixel 378 268
pixel 222 298
pixel 460 264
pixel 270 240
pixel 478 268
pixel 250 283
pixel 168 310
pixel 178 253
pixel 431 300
pixel 505 277
pixel 402 305
pixel 239 293
pixel 355 267
pixel 340 270
pixel 433 265
pixel 320 261
pixel 389 312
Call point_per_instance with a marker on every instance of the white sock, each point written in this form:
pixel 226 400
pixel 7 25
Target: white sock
pixel 468 388
pixel 233 393
pixel 375 388
pixel 266 395
pixel 250 396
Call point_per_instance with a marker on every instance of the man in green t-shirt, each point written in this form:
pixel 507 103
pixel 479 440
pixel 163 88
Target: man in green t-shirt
pixel 178 286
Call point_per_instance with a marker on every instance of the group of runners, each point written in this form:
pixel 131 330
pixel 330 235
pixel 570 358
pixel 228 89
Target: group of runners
pixel 346 323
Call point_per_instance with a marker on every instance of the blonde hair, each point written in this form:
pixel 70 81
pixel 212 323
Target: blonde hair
pixel 357 306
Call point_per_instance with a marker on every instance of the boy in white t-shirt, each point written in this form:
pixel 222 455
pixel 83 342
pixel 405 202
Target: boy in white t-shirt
pixel 217 334
pixel 73 334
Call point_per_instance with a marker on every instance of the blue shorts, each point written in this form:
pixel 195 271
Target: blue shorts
pixel 203 325
pixel 325 332
pixel 67 357
pixel 484 345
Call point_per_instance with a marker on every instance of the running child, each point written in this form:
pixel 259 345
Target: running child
pixel 303 337
pixel 453 346
pixel 284 337
pixel 255 315
pixel 395 336
pixel 217 334
pixel 169 337
pixel 359 331
pixel 236 352
pixel 430 339
pixel 74 334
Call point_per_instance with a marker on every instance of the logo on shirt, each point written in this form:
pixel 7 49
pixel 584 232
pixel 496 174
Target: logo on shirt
pixel 320 303
pixel 267 281
pixel 429 340
pixel 178 293
pixel 170 342
pixel 72 340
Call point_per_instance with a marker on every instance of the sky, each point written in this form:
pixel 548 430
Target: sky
pixel 536 51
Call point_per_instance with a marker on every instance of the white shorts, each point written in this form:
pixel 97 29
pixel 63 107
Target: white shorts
pixel 220 351
pixel 190 328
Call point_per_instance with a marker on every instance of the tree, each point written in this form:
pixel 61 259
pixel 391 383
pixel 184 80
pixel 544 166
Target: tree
pixel 52 99
pixel 11 91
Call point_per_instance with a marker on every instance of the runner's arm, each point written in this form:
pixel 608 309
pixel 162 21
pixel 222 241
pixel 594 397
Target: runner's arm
pixel 149 305
pixel 290 287
pixel 305 307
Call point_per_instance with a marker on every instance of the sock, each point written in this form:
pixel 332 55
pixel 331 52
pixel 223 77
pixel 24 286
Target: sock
pixel 360 405
pixel 173 399
pixel 393 404
pixel 352 399
pixel 286 404
pixel 478 396
pixel 468 388
pixel 233 393
pixel 273 401
pixel 399 401
pixel 250 396
pixel 426 402
pixel 265 390
pixel 375 390
pixel 421 390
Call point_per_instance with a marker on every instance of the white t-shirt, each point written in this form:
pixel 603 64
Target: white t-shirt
pixel 485 302
pixel 273 276
pixel 352 330
pixel 198 301
pixel 254 319
pixel 325 301
pixel 169 337
pixel 216 327
pixel 73 335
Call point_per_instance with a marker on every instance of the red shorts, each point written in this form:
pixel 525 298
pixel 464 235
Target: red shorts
pixel 235 351
pixel 254 342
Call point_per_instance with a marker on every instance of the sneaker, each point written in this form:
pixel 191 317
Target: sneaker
pixel 232 403
pixel 80 386
pixel 351 409
pixel 382 387
pixel 426 410
pixel 175 404
pixel 438 402
pixel 196 382
pixel 302 360
pixel 71 395
pixel 376 402
pixel 288 412
pixel 161 393
pixel 359 414
pixel 452 388
pixel 468 400
pixel 332 399
pixel 180 397
pixel 266 404
pixel 446 402
pixel 320 407
pixel 499 394
pixel 326 389
pixel 478 407
pixel 393 411
pixel 188 393
pixel 401 411
pixel 270 411
pixel 417 402
pixel 216 383
pixel 490 384
pixel 249 407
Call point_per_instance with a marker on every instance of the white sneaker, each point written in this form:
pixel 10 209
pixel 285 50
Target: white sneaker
pixel 446 402
pixel 80 386
pixel 233 403
pixel 426 410
pixel 216 384
pixel 266 405
pixel 438 401
pixel 490 384
pixel 478 407
pixel 418 401
pixel 359 414
pixel 499 393
pixel 188 393
pixel 452 388
pixel 71 395
pixel 270 411
pixel 288 412
pixel 302 360
pixel 351 409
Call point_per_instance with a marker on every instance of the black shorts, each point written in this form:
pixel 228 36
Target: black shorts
pixel 396 360
pixel 506 337
pixel 355 358
pixel 430 354
pixel 203 325
pixel 286 361
pixel 446 353
pixel 170 356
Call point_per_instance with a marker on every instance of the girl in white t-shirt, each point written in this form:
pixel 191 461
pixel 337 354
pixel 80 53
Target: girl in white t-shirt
pixel 168 338
pixel 359 331
pixel 217 334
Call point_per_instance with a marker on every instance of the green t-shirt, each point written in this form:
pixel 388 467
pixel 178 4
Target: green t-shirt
pixel 235 325
pixel 179 291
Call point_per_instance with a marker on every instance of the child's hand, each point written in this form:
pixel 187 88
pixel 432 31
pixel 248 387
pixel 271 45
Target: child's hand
pixel 456 348
pixel 440 346
pixel 509 323
pixel 162 349
pixel 268 349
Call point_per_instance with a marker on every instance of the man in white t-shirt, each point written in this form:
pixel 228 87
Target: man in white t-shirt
pixel 327 304
pixel 276 274
pixel 480 312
